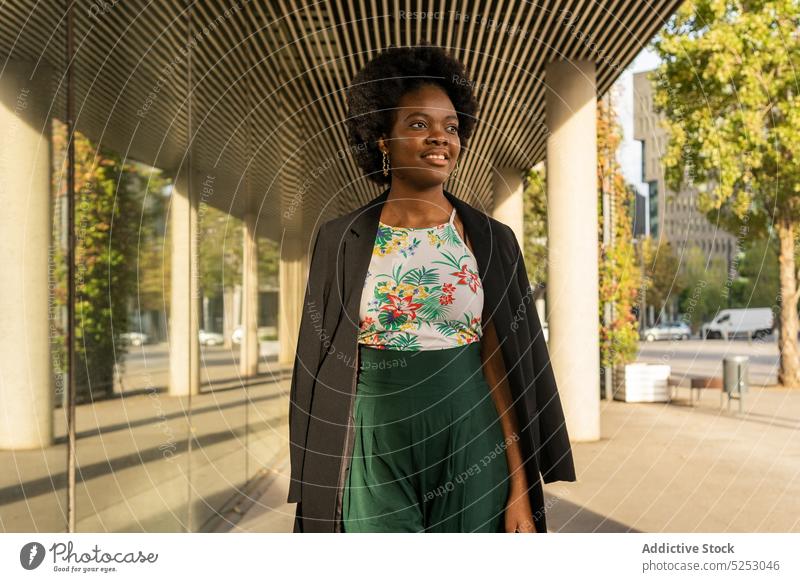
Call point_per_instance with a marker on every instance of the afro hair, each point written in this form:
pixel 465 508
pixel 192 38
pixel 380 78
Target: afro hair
pixel 378 87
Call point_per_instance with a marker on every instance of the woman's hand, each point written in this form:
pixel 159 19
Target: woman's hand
pixel 518 516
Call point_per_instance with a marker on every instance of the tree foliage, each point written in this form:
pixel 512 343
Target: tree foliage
pixel 728 86
pixel 535 221
pixel 704 292
pixel 220 251
pixel 107 202
pixel 663 277
pixel 756 283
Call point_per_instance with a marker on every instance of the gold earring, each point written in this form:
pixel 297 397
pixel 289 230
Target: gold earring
pixel 455 169
pixel 385 164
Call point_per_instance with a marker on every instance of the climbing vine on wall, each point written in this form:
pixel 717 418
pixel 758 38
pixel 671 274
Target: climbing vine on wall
pixel 619 273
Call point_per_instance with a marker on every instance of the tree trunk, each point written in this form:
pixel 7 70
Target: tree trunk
pixel 789 370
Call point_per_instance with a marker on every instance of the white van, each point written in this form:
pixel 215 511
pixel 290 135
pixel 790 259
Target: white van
pixel 752 322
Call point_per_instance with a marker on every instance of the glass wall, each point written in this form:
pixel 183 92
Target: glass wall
pixel 163 182
pixel 130 93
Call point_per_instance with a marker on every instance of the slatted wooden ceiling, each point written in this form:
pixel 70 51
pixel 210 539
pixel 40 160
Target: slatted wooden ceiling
pixel 269 80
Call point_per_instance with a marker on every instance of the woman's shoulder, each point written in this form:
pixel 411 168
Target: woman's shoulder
pixel 493 227
pixel 334 228
pixel 339 225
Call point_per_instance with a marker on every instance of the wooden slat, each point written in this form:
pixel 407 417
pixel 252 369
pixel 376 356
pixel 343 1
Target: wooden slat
pixel 271 81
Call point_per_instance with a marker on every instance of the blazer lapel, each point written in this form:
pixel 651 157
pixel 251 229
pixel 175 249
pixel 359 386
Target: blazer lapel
pixel 357 253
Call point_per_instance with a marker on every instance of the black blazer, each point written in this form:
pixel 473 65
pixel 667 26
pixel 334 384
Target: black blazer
pixel 325 367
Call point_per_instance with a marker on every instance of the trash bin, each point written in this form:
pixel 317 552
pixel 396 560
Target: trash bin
pixel 734 378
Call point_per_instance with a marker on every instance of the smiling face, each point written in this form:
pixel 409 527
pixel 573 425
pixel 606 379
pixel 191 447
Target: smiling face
pixel 423 144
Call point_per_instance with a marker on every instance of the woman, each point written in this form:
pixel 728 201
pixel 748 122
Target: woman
pixel 432 440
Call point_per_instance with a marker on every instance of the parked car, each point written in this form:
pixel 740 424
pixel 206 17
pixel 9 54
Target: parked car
pixel 210 338
pixel 236 336
pixel 752 322
pixel 667 331
pixel 265 334
pixel 133 338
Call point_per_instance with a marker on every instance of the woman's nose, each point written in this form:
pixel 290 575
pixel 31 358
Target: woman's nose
pixel 438 139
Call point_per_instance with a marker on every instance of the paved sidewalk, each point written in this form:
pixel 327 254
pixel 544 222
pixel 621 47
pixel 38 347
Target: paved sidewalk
pixel 676 468
pixel 658 468
pixel 262 506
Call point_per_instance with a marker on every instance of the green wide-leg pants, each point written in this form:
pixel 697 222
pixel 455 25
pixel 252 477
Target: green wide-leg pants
pixel 429 452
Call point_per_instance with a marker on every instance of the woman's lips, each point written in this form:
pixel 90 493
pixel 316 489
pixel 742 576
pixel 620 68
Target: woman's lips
pixel 436 161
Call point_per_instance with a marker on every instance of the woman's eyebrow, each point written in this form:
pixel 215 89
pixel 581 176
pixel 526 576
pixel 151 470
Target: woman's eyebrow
pixel 422 113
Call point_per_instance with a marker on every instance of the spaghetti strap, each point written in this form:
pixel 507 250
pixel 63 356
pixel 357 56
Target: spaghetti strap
pixel 462 238
pixel 452 215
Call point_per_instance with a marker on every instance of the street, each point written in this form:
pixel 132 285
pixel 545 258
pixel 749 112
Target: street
pixel 704 357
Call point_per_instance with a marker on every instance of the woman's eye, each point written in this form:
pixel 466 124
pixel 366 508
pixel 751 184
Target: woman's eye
pixel 423 123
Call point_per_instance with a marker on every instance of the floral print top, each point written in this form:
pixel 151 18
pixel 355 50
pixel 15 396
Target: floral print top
pixel 422 290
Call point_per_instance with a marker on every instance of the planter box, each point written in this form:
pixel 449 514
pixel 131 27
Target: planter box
pixel 643 383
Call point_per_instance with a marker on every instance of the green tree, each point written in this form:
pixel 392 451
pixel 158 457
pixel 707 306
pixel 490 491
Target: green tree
pixel 535 221
pixel 107 198
pixel 704 293
pixel 153 258
pixel 757 282
pixel 269 260
pixel 663 279
pixel 728 88
pixel 220 251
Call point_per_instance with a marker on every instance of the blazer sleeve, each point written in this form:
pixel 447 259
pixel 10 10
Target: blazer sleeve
pixel 555 452
pixel 306 361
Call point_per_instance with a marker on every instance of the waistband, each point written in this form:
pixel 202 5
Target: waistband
pixel 444 369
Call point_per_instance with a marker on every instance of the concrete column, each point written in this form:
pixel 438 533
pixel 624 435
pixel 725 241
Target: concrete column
pixel 26 394
pixel 508 201
pixel 572 270
pixel 184 344
pixel 249 355
pixel 541 312
pixel 293 275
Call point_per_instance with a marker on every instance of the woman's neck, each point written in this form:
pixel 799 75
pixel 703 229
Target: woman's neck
pixel 415 208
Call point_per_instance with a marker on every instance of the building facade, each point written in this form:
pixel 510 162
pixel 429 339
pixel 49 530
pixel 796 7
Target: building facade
pixel 673 216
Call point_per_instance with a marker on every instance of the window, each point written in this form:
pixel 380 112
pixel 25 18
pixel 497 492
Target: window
pixel 653 202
